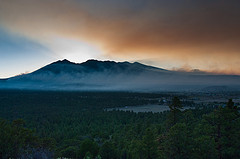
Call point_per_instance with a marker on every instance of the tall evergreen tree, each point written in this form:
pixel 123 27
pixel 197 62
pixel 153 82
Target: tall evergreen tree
pixel 175 107
pixel 230 104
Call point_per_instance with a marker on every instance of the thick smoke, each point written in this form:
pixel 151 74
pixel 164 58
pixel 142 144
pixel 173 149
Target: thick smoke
pixel 202 34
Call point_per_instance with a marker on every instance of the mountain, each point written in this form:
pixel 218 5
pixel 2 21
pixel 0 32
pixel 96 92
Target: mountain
pixel 110 75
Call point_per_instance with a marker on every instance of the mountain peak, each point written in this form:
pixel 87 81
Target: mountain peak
pixel 98 65
pixel 97 61
pixel 65 61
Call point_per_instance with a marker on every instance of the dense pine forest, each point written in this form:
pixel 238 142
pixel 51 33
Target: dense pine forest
pixel 38 124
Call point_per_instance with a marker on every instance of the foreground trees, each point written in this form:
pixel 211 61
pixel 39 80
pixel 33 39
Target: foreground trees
pixel 16 141
pixel 93 134
pixel 216 135
pixel 224 128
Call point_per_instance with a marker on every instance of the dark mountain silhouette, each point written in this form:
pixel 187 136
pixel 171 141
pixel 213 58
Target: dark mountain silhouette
pixel 111 75
pixel 93 66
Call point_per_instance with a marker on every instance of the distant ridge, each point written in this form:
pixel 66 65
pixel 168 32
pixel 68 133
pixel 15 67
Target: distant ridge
pixel 118 76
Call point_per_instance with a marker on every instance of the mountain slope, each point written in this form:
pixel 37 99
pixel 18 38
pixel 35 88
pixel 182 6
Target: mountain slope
pixel 110 75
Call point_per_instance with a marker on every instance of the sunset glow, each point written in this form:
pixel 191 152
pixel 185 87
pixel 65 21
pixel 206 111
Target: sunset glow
pixel 174 35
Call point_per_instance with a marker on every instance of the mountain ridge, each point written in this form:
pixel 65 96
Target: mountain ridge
pixel 110 75
pixel 96 66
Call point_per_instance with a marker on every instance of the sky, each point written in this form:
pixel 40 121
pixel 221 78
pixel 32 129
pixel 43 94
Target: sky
pixel 171 34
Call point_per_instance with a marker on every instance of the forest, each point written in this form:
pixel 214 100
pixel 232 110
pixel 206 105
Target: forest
pixel 55 124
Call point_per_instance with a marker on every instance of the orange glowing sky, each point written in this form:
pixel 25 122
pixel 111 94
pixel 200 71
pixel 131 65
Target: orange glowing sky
pixel 173 34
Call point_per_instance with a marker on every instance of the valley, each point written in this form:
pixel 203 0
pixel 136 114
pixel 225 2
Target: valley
pixel 76 124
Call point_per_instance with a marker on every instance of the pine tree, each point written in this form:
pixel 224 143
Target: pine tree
pixel 175 107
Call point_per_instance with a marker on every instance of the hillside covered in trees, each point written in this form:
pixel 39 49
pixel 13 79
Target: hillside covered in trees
pixel 37 124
